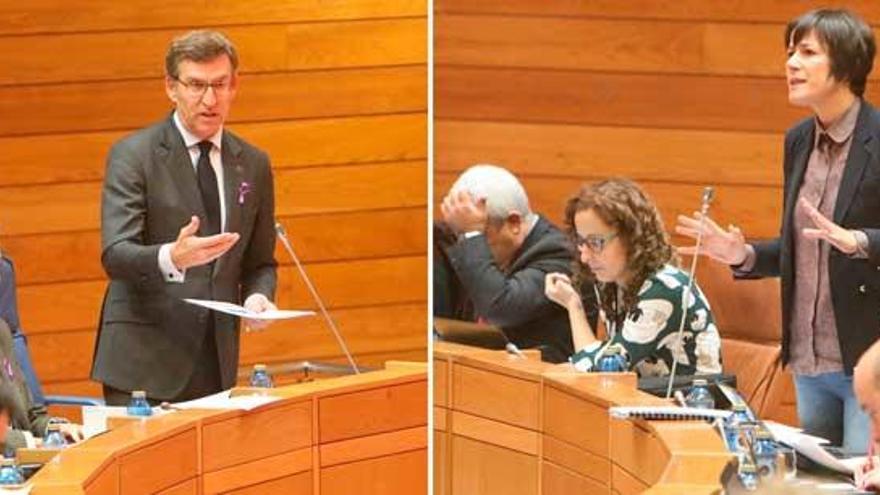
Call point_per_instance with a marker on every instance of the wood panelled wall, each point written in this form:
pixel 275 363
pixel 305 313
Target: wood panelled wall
pixel 335 92
pixel 675 95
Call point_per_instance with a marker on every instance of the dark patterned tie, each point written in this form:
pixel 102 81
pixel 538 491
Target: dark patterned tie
pixel 208 188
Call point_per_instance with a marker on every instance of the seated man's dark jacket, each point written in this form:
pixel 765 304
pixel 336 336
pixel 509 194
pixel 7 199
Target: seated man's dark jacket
pixel 514 299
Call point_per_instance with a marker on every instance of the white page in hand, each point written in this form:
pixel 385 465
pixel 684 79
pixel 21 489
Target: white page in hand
pixel 236 310
pixel 811 447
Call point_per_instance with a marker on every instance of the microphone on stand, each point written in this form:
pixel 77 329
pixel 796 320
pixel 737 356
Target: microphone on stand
pixel 708 196
pixel 279 230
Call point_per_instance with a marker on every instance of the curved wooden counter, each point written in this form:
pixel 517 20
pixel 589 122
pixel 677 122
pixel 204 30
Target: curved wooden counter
pixel 364 434
pixel 513 426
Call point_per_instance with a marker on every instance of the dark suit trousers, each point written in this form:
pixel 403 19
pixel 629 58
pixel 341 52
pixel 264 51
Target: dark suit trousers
pixel 205 378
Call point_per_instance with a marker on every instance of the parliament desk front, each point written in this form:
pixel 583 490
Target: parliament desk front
pixel 508 425
pixel 361 434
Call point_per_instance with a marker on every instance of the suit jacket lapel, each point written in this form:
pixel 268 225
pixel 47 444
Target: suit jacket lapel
pixel 233 180
pixel 859 155
pixel 173 152
pixel 799 166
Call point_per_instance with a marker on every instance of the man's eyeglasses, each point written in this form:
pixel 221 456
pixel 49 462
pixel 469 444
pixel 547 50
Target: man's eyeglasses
pixel 197 89
pixel 594 242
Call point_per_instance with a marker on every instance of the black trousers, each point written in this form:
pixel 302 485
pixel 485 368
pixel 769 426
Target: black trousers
pixel 205 378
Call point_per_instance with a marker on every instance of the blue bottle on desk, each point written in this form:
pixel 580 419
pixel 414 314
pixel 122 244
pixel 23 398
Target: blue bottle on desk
pixel 612 360
pixel 54 439
pixel 260 377
pixel 732 427
pixel 10 474
pixel 765 453
pixel 748 476
pixel 139 405
pixel 699 395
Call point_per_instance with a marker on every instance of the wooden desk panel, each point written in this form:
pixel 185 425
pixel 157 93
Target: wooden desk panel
pixel 483 469
pixel 253 473
pixel 495 396
pixel 441 462
pixel 188 487
pixel 557 480
pixel 575 459
pixel 495 433
pixel 390 475
pixel 441 383
pixel 269 431
pixel 295 484
pixel 139 473
pixel 576 421
pixel 372 411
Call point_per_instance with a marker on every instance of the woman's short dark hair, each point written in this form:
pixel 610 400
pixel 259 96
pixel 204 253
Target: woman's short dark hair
pixel 848 40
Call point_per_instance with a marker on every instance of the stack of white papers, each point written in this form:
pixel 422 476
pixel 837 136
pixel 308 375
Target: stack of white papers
pixel 811 447
pixel 222 400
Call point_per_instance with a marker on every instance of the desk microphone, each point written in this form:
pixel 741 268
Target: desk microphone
pixel 279 230
pixel 511 348
pixel 708 196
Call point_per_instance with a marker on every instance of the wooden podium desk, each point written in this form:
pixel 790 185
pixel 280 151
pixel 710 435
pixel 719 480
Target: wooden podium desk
pixel 364 434
pixel 507 425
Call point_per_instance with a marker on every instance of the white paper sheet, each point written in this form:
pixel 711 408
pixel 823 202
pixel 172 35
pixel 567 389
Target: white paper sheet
pixel 222 400
pixel 811 447
pixel 236 310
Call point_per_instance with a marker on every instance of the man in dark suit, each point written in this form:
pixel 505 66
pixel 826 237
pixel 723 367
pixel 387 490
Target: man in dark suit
pixel 828 250
pixel 500 256
pixel 187 212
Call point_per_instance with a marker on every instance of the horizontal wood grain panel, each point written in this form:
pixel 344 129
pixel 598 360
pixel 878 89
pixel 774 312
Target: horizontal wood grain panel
pixel 756 210
pixel 596 152
pixel 261 48
pixel 248 438
pixel 495 396
pixel 557 480
pixel 143 470
pixel 308 191
pixel 394 474
pixel 644 100
pixel 611 45
pixel 563 416
pixel 357 44
pixel 383 444
pixel 385 409
pixel 67 356
pixel 747 10
pixel 79 107
pixel 495 433
pixel 295 484
pixel 484 469
pixel 52 16
pixel 395 232
pixel 569 456
pixel 300 143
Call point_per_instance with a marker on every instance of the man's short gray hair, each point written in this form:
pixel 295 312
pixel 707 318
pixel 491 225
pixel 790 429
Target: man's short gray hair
pixel 500 188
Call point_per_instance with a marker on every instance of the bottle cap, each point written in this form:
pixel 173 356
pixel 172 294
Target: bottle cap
pixel 700 382
pixel 139 394
pixel 260 367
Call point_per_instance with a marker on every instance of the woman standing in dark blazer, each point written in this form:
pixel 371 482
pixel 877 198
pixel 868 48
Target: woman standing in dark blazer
pixel 828 250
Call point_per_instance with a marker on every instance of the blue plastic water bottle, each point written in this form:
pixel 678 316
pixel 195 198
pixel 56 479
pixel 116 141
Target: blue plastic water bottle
pixel 139 405
pixel 748 476
pixel 54 438
pixel 732 427
pixel 612 360
pixel 10 474
pixel 699 395
pixel 765 453
pixel 260 378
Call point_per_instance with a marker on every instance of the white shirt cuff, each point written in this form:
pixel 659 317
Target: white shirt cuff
pixel 29 440
pixel 169 272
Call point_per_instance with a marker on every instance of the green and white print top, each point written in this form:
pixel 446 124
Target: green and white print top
pixel 649 332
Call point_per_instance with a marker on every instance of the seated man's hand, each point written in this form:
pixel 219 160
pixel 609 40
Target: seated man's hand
pixel 72 432
pixel 463 214
pixel 258 303
pixel 189 250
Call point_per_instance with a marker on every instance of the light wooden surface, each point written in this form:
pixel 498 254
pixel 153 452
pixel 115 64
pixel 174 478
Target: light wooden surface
pixel 335 93
pixel 278 448
pixel 572 447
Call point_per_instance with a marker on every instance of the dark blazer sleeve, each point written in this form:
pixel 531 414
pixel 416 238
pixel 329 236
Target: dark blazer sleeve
pixel 258 264
pixel 123 220
pixel 505 300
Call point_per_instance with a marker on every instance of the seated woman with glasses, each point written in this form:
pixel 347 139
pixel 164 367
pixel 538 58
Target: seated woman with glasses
pixel 623 248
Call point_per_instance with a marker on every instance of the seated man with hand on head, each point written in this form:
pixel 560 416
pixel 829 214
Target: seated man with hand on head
pixel 501 253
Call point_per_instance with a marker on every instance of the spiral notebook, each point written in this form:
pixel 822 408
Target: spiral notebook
pixel 667 412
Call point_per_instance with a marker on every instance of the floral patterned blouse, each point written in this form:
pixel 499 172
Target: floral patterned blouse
pixel 649 332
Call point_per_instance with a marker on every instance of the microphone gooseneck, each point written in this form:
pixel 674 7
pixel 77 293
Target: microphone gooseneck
pixel 279 230
pixel 708 196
